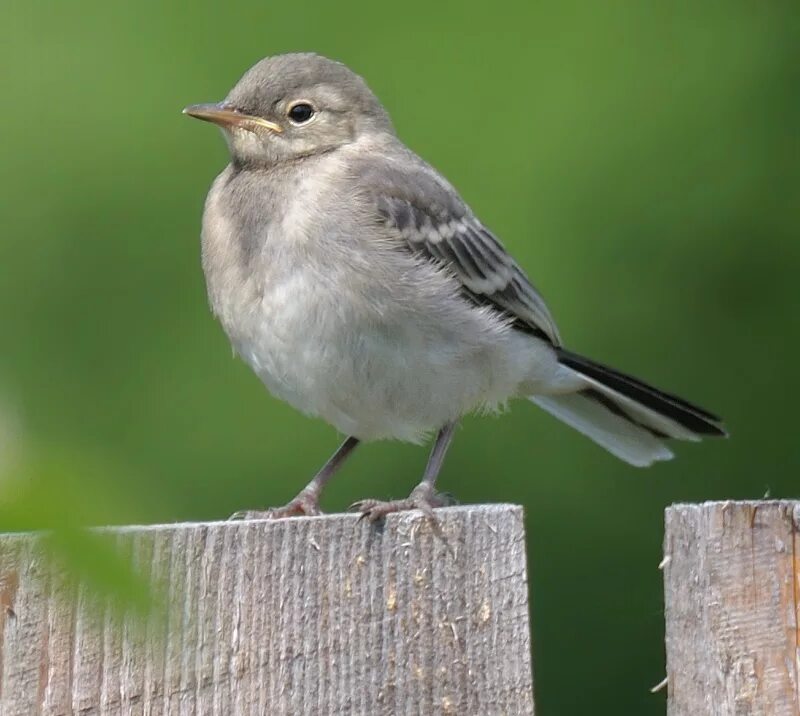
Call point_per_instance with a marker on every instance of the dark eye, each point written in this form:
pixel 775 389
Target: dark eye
pixel 300 112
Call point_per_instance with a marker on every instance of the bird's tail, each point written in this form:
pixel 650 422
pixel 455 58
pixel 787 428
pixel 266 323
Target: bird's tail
pixel 626 416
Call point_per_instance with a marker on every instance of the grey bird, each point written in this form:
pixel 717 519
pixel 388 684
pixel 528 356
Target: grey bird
pixel 361 288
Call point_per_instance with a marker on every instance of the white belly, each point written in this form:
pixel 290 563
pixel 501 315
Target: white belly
pixel 374 379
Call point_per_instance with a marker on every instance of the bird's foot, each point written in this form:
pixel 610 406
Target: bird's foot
pixel 306 504
pixel 423 498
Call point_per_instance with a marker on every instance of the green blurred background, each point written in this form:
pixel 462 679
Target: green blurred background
pixel 639 159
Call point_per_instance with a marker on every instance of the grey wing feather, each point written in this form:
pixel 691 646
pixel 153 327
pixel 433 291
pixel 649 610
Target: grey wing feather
pixel 434 222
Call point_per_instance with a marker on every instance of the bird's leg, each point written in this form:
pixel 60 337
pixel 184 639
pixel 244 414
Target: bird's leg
pixel 424 496
pixel 307 500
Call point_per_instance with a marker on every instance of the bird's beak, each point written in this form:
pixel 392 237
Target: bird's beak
pixel 227 116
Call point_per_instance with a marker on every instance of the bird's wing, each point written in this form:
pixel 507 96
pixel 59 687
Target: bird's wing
pixel 434 222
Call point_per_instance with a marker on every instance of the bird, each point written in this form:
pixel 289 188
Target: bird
pixel 362 289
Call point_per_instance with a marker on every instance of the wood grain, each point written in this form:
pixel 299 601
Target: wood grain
pixel 299 616
pixel 732 582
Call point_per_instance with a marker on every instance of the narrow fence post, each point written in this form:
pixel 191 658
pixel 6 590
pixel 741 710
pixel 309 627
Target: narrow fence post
pixel 323 615
pixel 732 594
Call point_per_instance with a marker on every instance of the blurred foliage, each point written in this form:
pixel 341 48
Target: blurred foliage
pixel 61 492
pixel 639 159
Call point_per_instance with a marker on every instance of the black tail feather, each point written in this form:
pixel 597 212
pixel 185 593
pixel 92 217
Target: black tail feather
pixel 690 416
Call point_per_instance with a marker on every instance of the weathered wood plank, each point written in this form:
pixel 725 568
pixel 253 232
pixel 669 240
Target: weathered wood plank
pixel 301 616
pixel 732 583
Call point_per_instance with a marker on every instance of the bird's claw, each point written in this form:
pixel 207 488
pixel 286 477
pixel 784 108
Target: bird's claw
pixel 423 498
pixel 304 505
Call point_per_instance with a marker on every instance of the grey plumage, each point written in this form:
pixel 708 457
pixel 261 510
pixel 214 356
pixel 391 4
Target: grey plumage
pixel 361 288
pixel 434 221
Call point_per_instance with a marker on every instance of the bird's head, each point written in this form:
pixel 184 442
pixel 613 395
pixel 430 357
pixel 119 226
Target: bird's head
pixel 291 106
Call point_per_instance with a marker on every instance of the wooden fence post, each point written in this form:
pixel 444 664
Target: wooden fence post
pixel 322 616
pixel 732 594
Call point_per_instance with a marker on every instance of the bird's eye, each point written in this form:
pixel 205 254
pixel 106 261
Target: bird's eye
pixel 300 112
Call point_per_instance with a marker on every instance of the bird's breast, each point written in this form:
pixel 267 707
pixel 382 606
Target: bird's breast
pixel 343 326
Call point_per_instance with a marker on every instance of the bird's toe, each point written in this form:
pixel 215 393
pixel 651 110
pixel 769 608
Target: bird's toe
pixel 304 505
